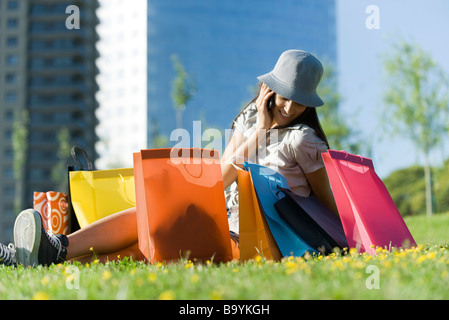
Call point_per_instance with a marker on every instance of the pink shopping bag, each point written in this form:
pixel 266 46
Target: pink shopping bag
pixel 369 216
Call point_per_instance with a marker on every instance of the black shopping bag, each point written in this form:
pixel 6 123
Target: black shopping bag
pixel 312 221
pixel 82 163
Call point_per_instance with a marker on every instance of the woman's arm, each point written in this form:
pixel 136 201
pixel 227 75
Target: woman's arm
pixel 319 183
pixel 227 169
pixel 237 149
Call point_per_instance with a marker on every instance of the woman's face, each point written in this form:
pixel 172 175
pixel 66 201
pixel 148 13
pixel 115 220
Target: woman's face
pixel 285 111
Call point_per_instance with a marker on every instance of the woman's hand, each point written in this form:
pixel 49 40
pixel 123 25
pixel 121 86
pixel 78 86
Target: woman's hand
pixel 265 117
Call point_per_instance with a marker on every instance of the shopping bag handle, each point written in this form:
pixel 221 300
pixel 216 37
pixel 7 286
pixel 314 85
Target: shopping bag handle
pixel 75 158
pixel 346 156
pixel 274 185
pixel 195 176
pixel 189 157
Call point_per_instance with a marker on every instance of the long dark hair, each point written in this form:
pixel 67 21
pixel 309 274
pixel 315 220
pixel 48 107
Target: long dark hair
pixel 309 117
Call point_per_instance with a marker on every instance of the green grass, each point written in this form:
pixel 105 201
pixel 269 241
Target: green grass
pixel 432 230
pixel 419 273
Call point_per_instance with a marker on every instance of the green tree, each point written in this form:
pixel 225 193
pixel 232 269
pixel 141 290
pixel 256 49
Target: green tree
pixel 59 171
pixel 20 149
pixel 416 102
pixel 406 187
pixel 158 140
pixel 183 89
pixel 442 188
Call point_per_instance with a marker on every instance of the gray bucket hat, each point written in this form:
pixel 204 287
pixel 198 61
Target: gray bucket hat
pixel 296 77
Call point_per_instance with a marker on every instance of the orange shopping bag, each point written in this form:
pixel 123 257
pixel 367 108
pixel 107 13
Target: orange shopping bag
pixel 53 208
pixel 181 209
pixel 254 233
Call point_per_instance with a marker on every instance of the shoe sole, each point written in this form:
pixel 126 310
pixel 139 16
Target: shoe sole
pixel 27 237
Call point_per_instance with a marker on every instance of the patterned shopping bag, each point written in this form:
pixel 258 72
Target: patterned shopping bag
pixel 53 208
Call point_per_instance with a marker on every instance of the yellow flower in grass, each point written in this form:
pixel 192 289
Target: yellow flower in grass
pixel 382 257
pixel 45 280
pixel 357 264
pixel 167 295
pixel 215 295
pixel 194 278
pixel 386 264
pixel 106 275
pixel 431 255
pixel 331 256
pixel 339 265
pixel 353 252
pixel 152 277
pixel 40 295
pixel 291 267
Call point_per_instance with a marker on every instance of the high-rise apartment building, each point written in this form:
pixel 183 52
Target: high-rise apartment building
pixel 224 46
pixel 47 83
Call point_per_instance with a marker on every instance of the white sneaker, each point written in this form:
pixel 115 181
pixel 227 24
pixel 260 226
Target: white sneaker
pixel 27 235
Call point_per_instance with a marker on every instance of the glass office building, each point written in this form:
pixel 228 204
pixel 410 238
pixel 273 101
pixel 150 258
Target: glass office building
pixel 224 46
pixel 47 83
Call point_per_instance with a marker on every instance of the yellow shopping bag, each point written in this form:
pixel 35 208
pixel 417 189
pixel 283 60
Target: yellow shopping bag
pixel 98 194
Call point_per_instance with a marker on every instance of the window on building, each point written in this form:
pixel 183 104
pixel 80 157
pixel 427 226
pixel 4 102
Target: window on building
pixel 11 78
pixel 12 24
pixel 13 5
pixel 12 42
pixel 8 154
pixel 9 116
pixel 12 60
pixel 7 134
pixel 11 97
pixel 8 173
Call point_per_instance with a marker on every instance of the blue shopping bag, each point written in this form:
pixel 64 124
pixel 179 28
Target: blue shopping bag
pixel 266 182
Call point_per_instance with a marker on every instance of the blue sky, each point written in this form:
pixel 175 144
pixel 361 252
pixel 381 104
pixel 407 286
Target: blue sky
pixel 360 76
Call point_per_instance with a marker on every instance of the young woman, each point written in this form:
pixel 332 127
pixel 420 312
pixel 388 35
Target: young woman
pixel 285 104
pixel 299 140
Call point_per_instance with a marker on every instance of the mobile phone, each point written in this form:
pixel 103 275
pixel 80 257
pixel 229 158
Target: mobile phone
pixel 271 102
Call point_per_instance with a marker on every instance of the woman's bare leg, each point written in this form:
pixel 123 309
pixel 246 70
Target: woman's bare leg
pixel 130 252
pixel 105 236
